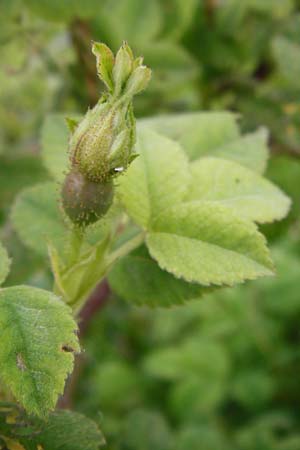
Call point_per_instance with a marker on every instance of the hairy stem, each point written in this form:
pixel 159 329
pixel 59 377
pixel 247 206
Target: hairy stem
pixel 75 244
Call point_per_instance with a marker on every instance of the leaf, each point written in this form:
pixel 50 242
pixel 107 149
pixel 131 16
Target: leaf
pixel 58 11
pixel 132 20
pixel 198 133
pixel 207 243
pixel 287 56
pixel 156 179
pixel 4 263
pixel 232 185
pixel 276 8
pixel 173 67
pixel 54 145
pixel 178 17
pixel 18 172
pixel 193 357
pixel 68 430
pixel 210 435
pixel 36 217
pixel 197 396
pixel 139 279
pixel 147 430
pixel 38 342
pixel 249 150
pixel 117 385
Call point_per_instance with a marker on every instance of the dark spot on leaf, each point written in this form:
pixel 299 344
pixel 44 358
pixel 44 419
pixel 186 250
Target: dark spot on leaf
pixel 67 348
pixel 237 180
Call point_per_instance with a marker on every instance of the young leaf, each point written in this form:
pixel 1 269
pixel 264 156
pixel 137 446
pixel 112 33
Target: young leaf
pixel 38 343
pixel 198 133
pixel 54 144
pixel 4 263
pixel 230 184
pixel 207 243
pixel 36 217
pixel 69 430
pixel 249 150
pixel 157 179
pixel 139 279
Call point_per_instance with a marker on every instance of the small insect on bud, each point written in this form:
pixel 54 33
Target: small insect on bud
pixel 85 201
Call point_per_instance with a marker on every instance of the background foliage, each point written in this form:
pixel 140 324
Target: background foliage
pixel 222 372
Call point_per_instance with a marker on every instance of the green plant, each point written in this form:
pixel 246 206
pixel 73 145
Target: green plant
pixel 167 220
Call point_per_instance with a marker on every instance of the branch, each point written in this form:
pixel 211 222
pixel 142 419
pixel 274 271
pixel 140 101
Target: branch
pixel 97 301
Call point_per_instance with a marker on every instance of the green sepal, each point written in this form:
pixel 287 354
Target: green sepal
pixel 105 62
pixel 72 124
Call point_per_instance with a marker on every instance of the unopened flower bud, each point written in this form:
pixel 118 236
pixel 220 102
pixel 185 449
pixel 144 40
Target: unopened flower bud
pixel 104 140
pixel 101 145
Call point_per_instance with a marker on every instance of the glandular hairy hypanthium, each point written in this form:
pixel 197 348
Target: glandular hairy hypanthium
pixel 86 201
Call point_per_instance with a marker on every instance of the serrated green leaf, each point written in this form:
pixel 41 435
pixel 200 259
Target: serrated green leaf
pixel 36 217
pixel 4 263
pixel 248 194
pixel 54 145
pixel 198 133
pixel 69 430
pixel 139 279
pixel 249 150
pixel 37 348
pixel 156 179
pixel 207 243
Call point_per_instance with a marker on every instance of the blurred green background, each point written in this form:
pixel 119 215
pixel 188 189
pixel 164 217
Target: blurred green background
pixel 222 373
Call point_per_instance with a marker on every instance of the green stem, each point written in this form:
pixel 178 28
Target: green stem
pixel 126 248
pixel 75 245
pixel 108 261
